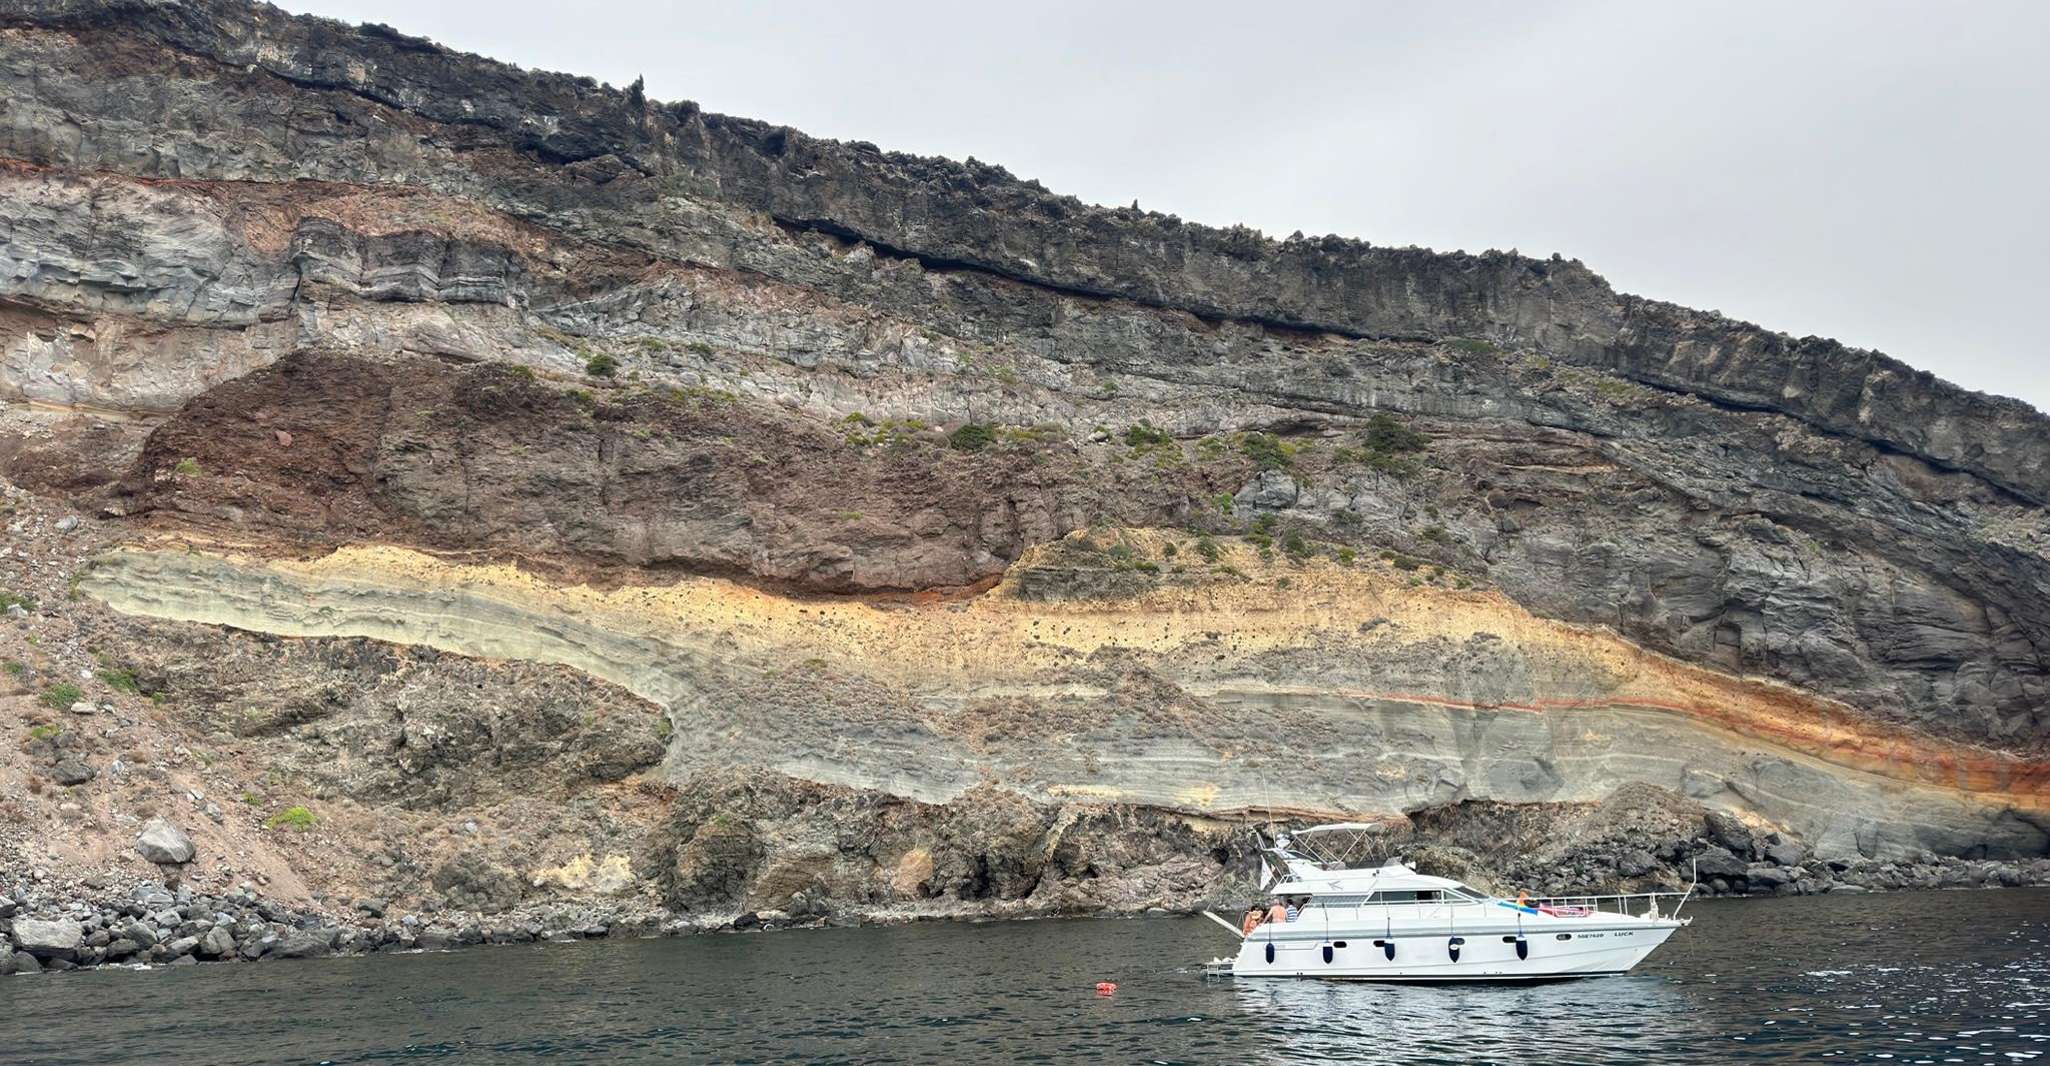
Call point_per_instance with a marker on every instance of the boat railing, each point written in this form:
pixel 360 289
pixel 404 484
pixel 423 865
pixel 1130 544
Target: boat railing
pixel 1639 904
pixel 1633 904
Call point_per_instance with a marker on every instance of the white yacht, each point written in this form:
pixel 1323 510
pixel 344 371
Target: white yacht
pixel 1390 923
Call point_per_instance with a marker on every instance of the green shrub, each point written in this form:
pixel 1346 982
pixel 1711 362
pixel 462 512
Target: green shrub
pixel 1389 437
pixel 1170 549
pixel 1260 540
pixel 17 599
pixel 295 818
pixel 59 696
pixel 1296 546
pixel 44 732
pixel 1223 502
pixel 121 681
pixel 972 437
pixel 1266 451
pixel 1146 435
pixel 1207 548
pixel 524 373
pixel 1264 523
pixel 601 366
pixel 1404 562
pixel 16 668
pixel 1436 535
pixel 1472 346
pixel 187 466
pixel 1346 556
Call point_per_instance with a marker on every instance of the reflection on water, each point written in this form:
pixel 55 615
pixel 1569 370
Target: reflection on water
pixel 1575 1021
pixel 1942 977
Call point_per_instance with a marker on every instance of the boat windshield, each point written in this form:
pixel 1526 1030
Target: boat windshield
pixel 1427 895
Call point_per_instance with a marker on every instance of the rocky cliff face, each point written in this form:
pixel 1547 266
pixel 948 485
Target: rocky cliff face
pixel 911 479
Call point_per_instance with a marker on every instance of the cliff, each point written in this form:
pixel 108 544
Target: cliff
pixel 910 479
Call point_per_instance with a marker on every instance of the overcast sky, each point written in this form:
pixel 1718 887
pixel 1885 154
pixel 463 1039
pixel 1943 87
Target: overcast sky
pixel 1873 172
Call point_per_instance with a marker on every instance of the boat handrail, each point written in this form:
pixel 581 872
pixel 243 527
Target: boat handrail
pixel 1607 903
pixel 1643 904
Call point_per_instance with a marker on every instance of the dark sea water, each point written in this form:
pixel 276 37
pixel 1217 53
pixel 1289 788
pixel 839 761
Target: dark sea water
pixel 1913 978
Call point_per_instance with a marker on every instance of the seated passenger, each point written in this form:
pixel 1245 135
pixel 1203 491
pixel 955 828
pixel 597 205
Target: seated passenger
pixel 1292 912
pixel 1251 920
pixel 1277 912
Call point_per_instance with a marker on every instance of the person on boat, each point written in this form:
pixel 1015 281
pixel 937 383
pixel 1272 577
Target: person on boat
pixel 1253 916
pixel 1276 912
pixel 1291 912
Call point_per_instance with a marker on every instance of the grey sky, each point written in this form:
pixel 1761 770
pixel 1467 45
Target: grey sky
pixel 1871 172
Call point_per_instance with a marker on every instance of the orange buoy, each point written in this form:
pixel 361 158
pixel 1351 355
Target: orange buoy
pixel 1104 988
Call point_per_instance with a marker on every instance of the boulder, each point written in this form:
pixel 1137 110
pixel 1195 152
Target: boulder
pixel 301 944
pixel 1787 853
pixel 121 949
pixel 1718 862
pixel 164 844
pixel 70 772
pixel 1765 873
pixel 1635 864
pixel 437 938
pixel 26 963
pixel 59 939
pixel 217 943
pixel 184 945
pixel 1270 490
pixel 140 933
pixel 1726 830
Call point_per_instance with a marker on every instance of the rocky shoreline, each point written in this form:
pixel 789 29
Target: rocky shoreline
pixel 57 925
pixel 154 926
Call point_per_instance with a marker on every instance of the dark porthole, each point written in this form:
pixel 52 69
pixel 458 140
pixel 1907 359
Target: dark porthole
pixel 1565 936
pixel 1338 944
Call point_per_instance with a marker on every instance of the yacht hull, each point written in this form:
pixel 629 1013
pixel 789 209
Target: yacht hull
pixel 1485 956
